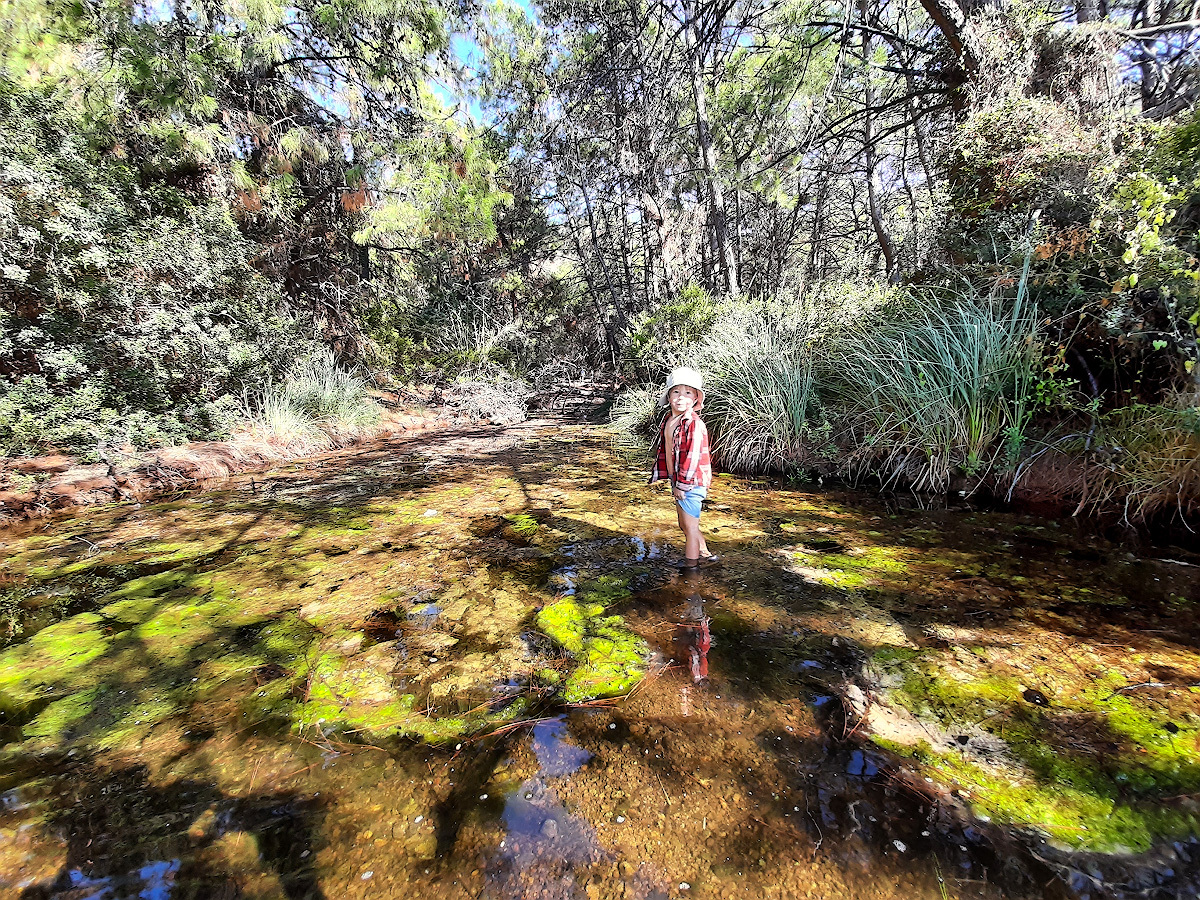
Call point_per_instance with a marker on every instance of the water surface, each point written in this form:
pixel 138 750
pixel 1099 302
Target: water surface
pixel 347 679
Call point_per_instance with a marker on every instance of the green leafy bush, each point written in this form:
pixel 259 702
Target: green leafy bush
pixel 654 339
pixel 129 310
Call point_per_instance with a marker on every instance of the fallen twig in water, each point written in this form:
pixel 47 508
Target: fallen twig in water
pixel 662 788
pixel 1131 687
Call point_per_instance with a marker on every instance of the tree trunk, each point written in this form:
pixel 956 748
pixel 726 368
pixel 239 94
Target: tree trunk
pixel 708 158
pixel 870 160
pixel 1149 80
pixel 652 212
pixel 600 258
pixel 610 335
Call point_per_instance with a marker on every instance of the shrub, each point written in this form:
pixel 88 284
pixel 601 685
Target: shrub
pixel 38 417
pixel 654 339
pixel 130 308
pixel 500 399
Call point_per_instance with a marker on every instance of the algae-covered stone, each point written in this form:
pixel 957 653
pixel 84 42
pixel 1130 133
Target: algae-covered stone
pixel 605 589
pixel 53 654
pixel 610 658
pixel 54 721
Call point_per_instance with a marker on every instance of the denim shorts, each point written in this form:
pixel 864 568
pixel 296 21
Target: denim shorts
pixel 690 503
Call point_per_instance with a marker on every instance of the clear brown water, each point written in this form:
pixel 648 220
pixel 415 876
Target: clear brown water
pixel 733 768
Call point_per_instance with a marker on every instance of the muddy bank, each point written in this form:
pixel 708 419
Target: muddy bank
pixel 39 486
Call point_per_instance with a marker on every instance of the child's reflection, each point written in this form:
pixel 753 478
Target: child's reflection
pixel 693 637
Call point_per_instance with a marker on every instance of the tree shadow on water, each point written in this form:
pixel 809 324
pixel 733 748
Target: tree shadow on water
pixel 127 837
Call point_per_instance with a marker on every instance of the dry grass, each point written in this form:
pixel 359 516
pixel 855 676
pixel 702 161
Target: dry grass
pixel 317 406
pixel 1147 463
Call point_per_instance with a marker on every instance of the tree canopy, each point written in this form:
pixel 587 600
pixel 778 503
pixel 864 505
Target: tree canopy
pixel 197 193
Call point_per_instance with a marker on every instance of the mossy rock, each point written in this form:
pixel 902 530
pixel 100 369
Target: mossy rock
pixel 610 659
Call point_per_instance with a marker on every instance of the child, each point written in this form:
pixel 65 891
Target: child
pixel 683 457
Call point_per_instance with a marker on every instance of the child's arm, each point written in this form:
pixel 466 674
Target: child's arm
pixel 696 456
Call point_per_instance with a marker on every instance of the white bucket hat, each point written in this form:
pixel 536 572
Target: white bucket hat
pixel 684 377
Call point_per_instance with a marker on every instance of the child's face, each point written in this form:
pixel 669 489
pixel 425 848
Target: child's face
pixel 682 398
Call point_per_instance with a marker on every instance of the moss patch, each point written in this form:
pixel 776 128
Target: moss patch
pixel 1093 767
pixel 610 658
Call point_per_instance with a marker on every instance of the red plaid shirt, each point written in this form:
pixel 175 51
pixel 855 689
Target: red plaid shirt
pixel 692 462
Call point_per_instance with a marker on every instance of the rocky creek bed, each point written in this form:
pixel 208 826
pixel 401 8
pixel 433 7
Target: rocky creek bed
pixel 466 664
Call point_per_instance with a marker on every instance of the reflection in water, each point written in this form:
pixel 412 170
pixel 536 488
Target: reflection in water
pixel 554 755
pixel 544 844
pixel 153 881
pixel 694 637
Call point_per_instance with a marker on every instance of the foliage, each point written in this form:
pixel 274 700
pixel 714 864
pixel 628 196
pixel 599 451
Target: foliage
pixel 936 388
pixel 761 392
pixel 1021 153
pixel 191 198
pixel 318 404
pixel 1147 463
pixel 128 312
pixel 654 339
pixel 943 387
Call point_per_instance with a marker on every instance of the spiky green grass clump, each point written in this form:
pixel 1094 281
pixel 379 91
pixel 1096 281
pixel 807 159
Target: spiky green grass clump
pixel 940 388
pixel 763 396
pixel 318 405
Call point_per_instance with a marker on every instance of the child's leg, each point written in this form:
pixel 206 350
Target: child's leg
pixel 691 534
pixel 704 551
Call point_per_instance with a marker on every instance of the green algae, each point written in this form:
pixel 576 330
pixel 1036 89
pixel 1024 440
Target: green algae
pixel 523 525
pixel 53 654
pixel 605 589
pixel 56 719
pixel 610 658
pixel 1091 769
pixel 886 656
pixel 854 570
pixel 1077 811
pixel 140 596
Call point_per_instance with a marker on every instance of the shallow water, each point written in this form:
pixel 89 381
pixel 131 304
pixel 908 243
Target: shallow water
pixel 346 679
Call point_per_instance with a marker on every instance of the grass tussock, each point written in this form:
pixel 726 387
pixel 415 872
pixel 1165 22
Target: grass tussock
pixel 915 392
pixel 762 398
pixel 930 389
pixel 317 406
pixel 1147 463
pixel 940 389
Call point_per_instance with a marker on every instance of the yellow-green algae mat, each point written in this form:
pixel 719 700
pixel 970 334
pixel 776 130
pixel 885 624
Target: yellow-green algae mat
pixel 372 601
pixel 1051 682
